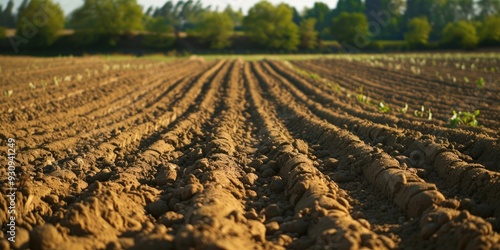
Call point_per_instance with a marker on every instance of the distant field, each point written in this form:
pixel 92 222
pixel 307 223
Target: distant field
pixel 288 57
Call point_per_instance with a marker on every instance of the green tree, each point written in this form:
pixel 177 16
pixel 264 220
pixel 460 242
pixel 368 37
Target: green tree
pixel 418 8
pixel 236 16
pixel 107 18
pixel 183 15
pixel 461 34
pixel 297 18
pixel 418 32
pixel 489 32
pixel 7 18
pixel 385 17
pixel 39 24
pixel 321 12
pixel 272 26
pixel 350 6
pixel 22 7
pixel 158 25
pixel 308 34
pixel 488 8
pixel 160 34
pixel 215 28
pixel 457 10
pixel 349 28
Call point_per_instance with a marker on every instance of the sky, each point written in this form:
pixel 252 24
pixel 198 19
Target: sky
pixel 69 5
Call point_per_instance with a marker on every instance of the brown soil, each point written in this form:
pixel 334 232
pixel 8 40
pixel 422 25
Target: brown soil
pixel 242 155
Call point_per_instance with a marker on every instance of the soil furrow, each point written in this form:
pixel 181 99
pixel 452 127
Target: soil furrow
pixel 314 197
pixel 474 147
pixel 407 190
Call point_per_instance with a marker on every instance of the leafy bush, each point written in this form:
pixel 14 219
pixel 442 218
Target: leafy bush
pixel 158 41
pixel 350 27
pixel 214 28
pixel 461 34
pixel 106 19
pixel 308 35
pixel 489 32
pixel 272 26
pixel 418 32
pixel 161 34
pixel 46 31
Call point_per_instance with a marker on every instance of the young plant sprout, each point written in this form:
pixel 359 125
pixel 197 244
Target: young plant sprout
pixel 464 119
pixel 32 86
pixel 421 113
pixel 9 93
pixel 383 107
pixel 480 83
pixel 363 98
pixel 405 109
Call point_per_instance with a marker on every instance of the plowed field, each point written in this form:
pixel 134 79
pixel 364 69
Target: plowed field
pixel 232 154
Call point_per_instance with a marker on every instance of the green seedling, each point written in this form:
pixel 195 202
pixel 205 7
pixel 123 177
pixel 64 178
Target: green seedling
pixel 334 86
pixel 405 109
pixel 361 97
pixel 466 80
pixel 383 107
pixel 308 74
pixel 480 83
pixel 422 113
pixel 79 77
pixel 32 86
pixel 56 81
pixel 9 93
pixel 67 79
pixel 464 119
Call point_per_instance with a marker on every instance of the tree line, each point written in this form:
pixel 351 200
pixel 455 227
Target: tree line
pixel 355 24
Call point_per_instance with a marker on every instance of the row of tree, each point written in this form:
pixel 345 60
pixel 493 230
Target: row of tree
pixel 353 23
